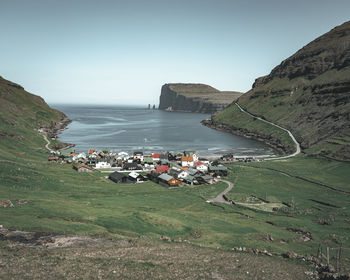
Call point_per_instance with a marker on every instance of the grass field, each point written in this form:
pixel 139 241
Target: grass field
pixel 63 201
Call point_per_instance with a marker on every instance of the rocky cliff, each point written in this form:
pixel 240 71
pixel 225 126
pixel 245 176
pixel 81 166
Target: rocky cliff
pixel 194 98
pixel 308 93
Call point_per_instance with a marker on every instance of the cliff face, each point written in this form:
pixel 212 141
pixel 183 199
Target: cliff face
pixel 309 94
pixel 194 98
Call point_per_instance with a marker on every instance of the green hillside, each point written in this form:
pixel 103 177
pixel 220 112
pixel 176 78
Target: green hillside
pixel 308 93
pixel 21 115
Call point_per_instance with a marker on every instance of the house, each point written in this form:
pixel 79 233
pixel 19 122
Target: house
pixel 136 177
pixel 168 180
pixel 190 180
pixel 131 166
pixel 103 164
pixel 217 170
pixel 161 169
pixel 205 179
pixel 156 157
pixel 153 177
pixel 52 159
pixel 82 168
pixel 91 151
pixel 123 156
pixel 118 177
pixel 191 154
pixel 183 174
pixel 200 166
pixel 204 160
pixel 138 156
pixel 187 161
pixel 192 171
pixel 148 163
pixel 174 172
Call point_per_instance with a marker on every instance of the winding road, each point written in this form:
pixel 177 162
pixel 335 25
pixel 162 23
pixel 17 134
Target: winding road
pixel 280 127
pixel 47 143
pixel 220 197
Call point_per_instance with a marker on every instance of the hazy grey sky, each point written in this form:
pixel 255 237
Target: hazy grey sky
pixel 121 52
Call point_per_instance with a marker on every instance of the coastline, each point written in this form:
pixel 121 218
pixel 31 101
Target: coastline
pixel 56 128
pixel 270 141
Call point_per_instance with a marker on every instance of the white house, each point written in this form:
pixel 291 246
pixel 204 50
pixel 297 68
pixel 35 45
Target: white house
pixel 187 161
pixel 135 177
pixel 202 168
pixel 103 164
pixel 182 174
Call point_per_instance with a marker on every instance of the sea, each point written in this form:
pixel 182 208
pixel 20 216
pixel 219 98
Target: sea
pixel 132 128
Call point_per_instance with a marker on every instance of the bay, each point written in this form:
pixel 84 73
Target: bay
pixel 130 128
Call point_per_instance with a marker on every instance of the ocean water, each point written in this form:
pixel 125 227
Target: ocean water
pixel 123 128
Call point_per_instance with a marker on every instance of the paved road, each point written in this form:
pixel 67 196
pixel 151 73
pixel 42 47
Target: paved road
pixel 280 127
pixel 220 197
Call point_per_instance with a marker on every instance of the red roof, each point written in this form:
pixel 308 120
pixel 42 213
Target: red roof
pixel 198 163
pixel 162 167
pixel 156 155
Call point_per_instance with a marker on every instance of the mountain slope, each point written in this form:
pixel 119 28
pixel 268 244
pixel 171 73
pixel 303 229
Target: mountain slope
pixel 195 98
pixel 308 93
pixel 21 114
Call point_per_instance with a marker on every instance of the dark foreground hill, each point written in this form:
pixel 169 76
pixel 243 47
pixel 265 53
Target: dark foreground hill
pixel 308 93
pixel 195 98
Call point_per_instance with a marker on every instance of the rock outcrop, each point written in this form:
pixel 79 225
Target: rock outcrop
pixel 309 94
pixel 198 98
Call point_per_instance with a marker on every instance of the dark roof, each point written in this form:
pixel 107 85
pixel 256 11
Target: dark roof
pixel 131 165
pixel 116 176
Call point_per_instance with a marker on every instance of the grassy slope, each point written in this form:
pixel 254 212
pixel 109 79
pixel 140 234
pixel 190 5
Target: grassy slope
pixel 287 110
pixel 308 93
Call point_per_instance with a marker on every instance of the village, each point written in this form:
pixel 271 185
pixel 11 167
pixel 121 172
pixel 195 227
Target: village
pixel 167 169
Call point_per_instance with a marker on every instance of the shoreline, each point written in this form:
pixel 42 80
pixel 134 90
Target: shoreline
pixel 56 128
pixel 271 142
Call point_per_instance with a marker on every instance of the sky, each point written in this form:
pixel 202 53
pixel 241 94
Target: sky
pixel 122 52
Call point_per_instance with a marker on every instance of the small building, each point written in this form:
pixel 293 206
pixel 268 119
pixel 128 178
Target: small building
pixel 82 168
pixel 131 166
pixel 217 170
pixel 168 180
pixel 52 159
pixel 153 177
pixel 120 178
pixel 192 154
pixel 192 171
pixel 156 157
pixel 190 180
pixel 200 166
pixel 183 174
pixel 205 179
pixel 162 168
pixel 138 156
pixel 204 160
pixel 103 164
pixel 187 161
pixel 136 177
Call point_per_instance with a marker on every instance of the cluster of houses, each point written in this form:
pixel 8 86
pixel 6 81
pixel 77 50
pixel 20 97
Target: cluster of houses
pixel 167 169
